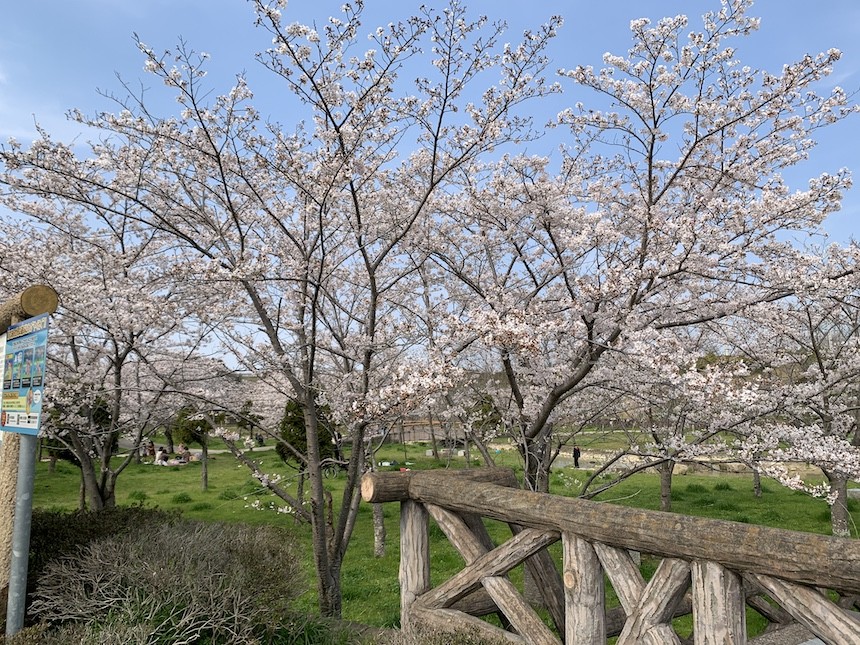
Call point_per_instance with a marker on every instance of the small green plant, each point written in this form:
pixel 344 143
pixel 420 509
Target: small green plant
pixel 772 515
pixel 726 506
pixel 138 496
pixel 723 486
pixel 745 519
pixel 228 494
pixel 181 498
pixel 201 506
pixel 696 488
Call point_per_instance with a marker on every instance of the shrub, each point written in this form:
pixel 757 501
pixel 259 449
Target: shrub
pixel 58 533
pixel 44 634
pixel 181 498
pixel 696 488
pixel 35 635
pixel 138 496
pixel 723 486
pixel 180 582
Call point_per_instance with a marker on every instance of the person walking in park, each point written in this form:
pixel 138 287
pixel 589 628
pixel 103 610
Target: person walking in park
pixel 576 455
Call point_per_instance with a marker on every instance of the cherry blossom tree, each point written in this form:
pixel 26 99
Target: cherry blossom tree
pixel 670 209
pixel 309 229
pixel 673 407
pixel 802 354
pixel 122 325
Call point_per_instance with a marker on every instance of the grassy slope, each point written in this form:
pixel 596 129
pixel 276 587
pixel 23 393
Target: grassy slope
pixel 370 587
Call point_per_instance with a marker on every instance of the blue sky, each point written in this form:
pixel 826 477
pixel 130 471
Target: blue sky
pixel 56 54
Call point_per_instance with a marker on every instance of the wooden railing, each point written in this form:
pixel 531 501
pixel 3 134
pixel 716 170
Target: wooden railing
pixel 710 568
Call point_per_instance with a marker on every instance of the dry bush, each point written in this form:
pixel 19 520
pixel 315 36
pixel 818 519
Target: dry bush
pixel 177 583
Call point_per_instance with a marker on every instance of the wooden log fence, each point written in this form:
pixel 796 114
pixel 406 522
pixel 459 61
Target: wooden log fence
pixel 713 569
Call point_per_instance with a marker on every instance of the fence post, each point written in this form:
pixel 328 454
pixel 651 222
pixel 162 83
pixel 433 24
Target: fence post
pixel 584 597
pixel 414 558
pixel 719 607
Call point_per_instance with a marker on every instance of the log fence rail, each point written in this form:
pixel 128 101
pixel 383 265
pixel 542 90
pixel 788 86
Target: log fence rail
pixel 713 569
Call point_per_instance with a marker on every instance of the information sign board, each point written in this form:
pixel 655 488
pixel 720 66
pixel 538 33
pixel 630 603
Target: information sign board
pixel 24 376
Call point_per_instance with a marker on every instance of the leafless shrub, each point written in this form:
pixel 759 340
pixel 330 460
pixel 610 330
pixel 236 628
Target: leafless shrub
pixel 176 584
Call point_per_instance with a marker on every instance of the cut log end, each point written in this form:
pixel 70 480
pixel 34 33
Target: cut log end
pixel 385 487
pixel 39 299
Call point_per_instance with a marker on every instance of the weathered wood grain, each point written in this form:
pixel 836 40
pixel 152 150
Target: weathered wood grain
pixel 649 620
pixel 455 622
pixel 507 597
pixel 388 486
pixel 415 567
pixel 541 567
pixel 584 593
pixel 33 301
pixel 816 560
pixel 823 618
pixel 626 579
pixel 719 610
pixel 493 563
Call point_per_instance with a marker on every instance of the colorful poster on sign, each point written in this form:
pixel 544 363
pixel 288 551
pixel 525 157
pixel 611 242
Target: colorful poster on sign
pixel 24 376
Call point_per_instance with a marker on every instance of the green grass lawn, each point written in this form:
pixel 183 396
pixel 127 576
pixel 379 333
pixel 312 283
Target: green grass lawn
pixel 370 585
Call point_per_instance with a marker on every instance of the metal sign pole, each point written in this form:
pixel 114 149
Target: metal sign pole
pixel 17 601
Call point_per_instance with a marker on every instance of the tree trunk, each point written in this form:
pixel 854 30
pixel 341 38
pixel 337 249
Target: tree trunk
pixel 300 494
pixel 108 491
pixel 665 469
pixel 536 458
pixel 204 463
pixel 378 531
pixel 433 443
pixel 485 453
pixel 839 516
pixel 99 489
pixel 90 483
pixel 328 571
pixel 756 484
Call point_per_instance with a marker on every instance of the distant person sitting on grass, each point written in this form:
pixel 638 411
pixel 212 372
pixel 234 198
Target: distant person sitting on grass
pixel 161 456
pixel 183 454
